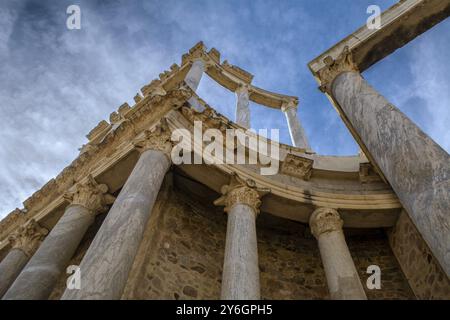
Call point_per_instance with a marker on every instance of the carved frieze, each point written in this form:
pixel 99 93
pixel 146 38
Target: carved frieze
pixel 297 166
pixel 209 117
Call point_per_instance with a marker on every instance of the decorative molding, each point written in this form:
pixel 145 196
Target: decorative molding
pixel 334 67
pixel 13 219
pixel 28 237
pixel 139 118
pixel 196 52
pixel 90 195
pixel 240 191
pixel 325 220
pixel 209 117
pixel 239 73
pixel 297 166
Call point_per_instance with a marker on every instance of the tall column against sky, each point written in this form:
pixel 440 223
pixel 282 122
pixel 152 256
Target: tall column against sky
pixel 193 78
pixel 417 168
pixel 242 106
pixel 24 242
pixel 298 136
pixel 107 263
pixel 38 278
pixel 342 276
pixel 240 277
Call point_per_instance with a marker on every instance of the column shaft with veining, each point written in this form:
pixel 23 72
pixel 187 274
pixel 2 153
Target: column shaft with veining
pixel 24 243
pixel 106 265
pixel 242 106
pixel 296 131
pixel 342 277
pixel 416 167
pixel 240 277
pixel 38 278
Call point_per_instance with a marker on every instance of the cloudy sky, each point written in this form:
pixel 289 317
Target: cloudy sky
pixel 57 84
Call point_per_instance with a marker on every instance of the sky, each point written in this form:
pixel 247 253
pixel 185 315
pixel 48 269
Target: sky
pixel 56 84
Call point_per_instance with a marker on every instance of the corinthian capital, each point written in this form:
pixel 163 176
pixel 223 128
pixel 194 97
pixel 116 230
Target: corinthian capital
pixel 156 139
pixel 241 191
pixel 325 220
pixel 334 67
pixel 28 237
pixel 90 195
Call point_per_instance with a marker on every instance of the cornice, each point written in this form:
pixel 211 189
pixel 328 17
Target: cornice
pixel 99 153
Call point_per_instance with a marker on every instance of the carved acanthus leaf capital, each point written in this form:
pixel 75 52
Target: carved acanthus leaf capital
pixel 28 237
pixel 325 220
pixel 297 166
pixel 157 139
pixel 334 67
pixel 90 195
pixel 241 191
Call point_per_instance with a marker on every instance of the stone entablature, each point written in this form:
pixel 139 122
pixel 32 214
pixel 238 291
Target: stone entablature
pixel 232 77
pixel 110 142
pixel 369 45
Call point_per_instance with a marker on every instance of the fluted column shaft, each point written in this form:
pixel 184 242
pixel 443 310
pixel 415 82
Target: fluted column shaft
pixel 417 168
pixel 40 275
pixel 296 131
pixel 242 107
pixel 240 277
pixel 108 261
pixel 342 276
pixel 24 243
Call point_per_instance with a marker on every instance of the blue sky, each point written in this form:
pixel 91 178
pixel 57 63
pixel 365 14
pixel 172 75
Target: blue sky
pixel 57 84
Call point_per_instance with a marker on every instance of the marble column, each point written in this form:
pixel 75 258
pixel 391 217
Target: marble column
pixel 417 168
pixel 193 78
pixel 108 261
pixel 298 136
pixel 240 277
pixel 24 242
pixel 342 276
pixel 242 106
pixel 38 278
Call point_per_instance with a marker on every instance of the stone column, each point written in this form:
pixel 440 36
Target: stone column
pixel 242 106
pixel 342 276
pixel 240 278
pixel 40 275
pixel 193 78
pixel 24 242
pixel 416 167
pixel 298 136
pixel 107 263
